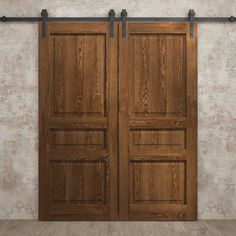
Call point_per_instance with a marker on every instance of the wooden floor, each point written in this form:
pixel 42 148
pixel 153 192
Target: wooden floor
pixel 151 228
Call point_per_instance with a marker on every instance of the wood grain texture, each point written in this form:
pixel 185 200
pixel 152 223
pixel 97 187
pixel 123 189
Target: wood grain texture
pixel 78 122
pixel 157 75
pixel 78 137
pixel 157 134
pixel 79 65
pixel 191 141
pixel 157 181
pixel 158 139
pixel 71 182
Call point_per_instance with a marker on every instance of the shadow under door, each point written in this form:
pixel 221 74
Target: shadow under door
pixel 118 122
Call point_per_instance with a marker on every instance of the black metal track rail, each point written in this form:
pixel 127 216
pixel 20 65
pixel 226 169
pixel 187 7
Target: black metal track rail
pixel 106 19
pixel 191 18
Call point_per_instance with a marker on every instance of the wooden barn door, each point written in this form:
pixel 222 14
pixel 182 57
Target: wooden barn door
pixel 158 122
pixel 118 122
pixel 78 122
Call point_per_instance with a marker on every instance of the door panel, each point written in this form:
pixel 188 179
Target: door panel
pixel 157 56
pixel 73 75
pixel 78 122
pixel 80 182
pixel 158 126
pixel 166 181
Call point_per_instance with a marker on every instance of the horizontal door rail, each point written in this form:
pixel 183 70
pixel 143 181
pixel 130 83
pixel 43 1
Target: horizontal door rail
pixel 106 19
pixel 37 19
pixel 191 18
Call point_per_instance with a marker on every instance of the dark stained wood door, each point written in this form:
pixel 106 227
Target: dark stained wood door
pixel 118 122
pixel 78 122
pixel 158 122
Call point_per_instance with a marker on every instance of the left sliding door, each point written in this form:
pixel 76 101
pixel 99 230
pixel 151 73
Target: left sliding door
pixel 78 122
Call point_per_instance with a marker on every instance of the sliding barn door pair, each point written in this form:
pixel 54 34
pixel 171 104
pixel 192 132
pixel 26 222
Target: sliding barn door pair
pixel 118 122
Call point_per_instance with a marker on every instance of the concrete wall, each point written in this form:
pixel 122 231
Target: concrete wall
pixel 19 99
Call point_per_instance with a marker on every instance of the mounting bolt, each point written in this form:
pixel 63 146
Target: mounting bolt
pixel 123 12
pixel 232 19
pixel 4 19
pixel 112 13
pixel 44 13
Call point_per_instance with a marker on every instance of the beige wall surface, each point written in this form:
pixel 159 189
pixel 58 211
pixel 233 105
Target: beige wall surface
pixel 19 99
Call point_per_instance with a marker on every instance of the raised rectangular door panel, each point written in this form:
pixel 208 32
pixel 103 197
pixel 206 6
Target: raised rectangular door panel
pixel 157 181
pixel 158 122
pixel 78 182
pixel 78 122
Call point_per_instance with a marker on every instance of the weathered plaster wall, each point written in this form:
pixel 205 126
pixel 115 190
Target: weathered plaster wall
pixel 19 99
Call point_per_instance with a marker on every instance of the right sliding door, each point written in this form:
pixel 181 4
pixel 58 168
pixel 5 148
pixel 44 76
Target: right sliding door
pixel 158 122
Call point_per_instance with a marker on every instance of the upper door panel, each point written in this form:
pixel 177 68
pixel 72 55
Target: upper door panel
pixel 157 75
